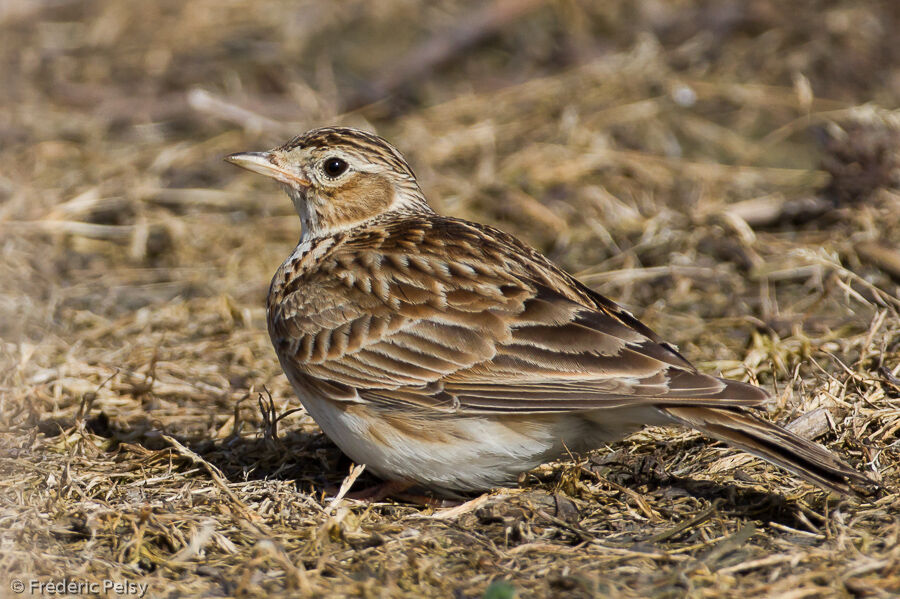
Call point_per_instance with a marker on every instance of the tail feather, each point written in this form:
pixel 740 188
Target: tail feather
pixel 746 431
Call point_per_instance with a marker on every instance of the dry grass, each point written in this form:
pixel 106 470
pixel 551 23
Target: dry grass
pixel 725 170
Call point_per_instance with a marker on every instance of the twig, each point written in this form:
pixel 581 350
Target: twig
pixel 728 545
pixel 355 471
pixel 770 560
pixel 205 102
pixel 463 508
pixel 642 505
pixel 582 535
pixel 216 475
pixel 883 257
pixel 772 210
pixel 812 425
pixel 628 275
pixel 72 228
pixel 695 521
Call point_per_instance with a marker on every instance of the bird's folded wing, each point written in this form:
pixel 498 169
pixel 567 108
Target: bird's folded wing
pixel 477 334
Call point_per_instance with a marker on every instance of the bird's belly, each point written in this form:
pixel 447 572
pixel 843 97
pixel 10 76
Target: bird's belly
pixel 462 453
pixel 459 453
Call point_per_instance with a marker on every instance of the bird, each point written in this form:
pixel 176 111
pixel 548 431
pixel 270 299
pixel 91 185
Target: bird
pixel 448 355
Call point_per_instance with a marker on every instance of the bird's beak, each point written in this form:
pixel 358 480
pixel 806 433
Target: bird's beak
pixel 262 163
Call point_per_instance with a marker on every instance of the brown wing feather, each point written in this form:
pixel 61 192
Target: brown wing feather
pixel 494 328
pixel 763 439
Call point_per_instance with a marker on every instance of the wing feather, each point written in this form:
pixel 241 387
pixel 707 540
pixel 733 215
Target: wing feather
pixel 467 317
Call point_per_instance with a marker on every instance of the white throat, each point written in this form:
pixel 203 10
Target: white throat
pixel 309 220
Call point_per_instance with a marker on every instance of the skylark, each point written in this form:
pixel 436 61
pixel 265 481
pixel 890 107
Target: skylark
pixel 448 354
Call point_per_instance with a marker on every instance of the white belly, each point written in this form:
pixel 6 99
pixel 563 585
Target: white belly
pixel 464 454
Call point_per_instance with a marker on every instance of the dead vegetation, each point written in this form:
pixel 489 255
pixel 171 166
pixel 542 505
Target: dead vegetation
pixel 727 170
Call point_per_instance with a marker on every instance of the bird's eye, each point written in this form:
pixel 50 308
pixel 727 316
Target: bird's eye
pixel 334 167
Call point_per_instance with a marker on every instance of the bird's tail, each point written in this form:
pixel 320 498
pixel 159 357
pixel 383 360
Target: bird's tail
pixel 746 431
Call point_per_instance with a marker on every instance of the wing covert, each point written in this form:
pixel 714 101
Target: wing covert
pixel 476 328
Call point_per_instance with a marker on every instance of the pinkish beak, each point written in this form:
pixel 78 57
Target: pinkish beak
pixel 262 163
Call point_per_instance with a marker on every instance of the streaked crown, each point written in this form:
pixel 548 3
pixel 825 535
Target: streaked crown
pixel 339 177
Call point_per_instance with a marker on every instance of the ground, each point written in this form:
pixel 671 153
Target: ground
pixel 726 170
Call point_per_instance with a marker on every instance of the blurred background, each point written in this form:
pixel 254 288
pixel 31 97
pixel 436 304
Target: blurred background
pixel 728 170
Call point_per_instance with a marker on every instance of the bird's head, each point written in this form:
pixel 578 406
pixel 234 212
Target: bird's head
pixel 338 177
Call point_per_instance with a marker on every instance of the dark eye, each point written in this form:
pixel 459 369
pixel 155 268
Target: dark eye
pixel 334 167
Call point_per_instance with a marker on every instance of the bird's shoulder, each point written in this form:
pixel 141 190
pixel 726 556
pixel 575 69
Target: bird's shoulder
pixel 421 265
pixel 437 253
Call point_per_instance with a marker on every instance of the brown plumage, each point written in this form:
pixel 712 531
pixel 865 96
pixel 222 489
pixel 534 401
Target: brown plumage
pixel 450 354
